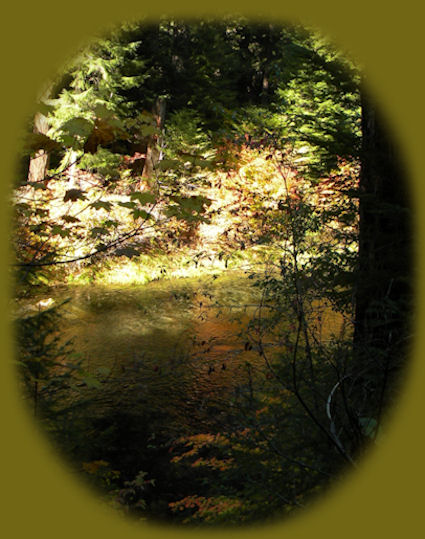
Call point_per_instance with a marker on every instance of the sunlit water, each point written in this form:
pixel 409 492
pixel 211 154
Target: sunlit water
pixel 180 349
pixel 172 358
pixel 174 347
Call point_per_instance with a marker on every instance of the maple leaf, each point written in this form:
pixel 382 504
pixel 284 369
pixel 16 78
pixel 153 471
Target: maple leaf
pixel 73 195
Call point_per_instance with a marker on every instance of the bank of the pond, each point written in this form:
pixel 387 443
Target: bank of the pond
pixel 185 263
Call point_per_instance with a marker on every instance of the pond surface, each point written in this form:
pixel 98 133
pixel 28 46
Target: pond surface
pixel 175 347
pixel 171 359
pixel 182 350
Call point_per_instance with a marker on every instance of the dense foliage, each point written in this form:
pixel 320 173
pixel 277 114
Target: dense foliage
pixel 215 145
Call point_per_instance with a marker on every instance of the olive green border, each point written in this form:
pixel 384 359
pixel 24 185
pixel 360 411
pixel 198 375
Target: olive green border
pixel 383 498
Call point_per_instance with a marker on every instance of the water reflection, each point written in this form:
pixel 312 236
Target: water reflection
pixel 176 347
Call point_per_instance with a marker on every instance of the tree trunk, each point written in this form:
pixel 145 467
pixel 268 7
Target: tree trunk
pixel 153 151
pixel 40 162
pixel 383 290
pixel 72 170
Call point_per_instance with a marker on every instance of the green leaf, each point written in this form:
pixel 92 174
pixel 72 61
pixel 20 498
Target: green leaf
pixel 141 213
pixel 70 219
pixel 173 211
pixel 148 130
pixel 145 197
pixel 77 127
pixel 38 227
pixel 101 111
pixel 37 185
pixel 110 224
pixel 194 203
pixel 68 141
pixel 37 141
pixel 101 205
pixel 58 230
pixel 98 231
pixel 131 205
pixel 73 195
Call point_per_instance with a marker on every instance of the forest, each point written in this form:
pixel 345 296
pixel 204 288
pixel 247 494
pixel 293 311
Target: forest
pixel 212 269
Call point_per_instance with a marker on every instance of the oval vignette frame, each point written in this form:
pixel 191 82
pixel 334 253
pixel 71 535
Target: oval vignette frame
pixel 383 496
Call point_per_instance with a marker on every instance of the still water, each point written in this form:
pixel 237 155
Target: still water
pixel 183 351
pixel 171 359
pixel 177 348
